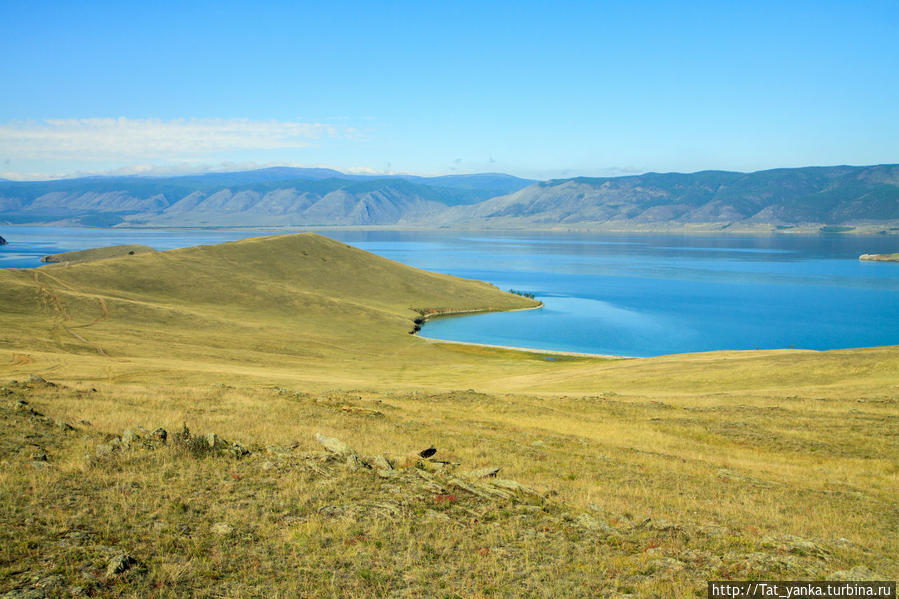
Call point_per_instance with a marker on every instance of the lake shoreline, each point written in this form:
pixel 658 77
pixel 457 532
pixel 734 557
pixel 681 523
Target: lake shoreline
pixel 530 350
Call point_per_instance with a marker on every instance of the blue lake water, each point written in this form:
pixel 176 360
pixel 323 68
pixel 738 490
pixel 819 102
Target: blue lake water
pixel 628 294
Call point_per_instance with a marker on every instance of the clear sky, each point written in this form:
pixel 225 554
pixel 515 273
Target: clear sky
pixel 537 89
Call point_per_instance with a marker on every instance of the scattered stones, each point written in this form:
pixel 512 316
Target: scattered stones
pixel 221 529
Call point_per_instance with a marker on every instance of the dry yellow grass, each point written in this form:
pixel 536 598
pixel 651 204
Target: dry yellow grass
pixel 265 344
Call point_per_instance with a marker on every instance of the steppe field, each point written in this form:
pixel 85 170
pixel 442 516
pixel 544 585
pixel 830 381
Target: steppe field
pixel 254 419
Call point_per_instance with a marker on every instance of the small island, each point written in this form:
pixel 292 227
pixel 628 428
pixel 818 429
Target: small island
pixel 880 257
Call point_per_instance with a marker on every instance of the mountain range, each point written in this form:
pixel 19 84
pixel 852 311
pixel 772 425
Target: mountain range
pixel 282 196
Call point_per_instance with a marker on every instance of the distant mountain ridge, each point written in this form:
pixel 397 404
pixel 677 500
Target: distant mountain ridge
pixel 272 196
pixel 826 195
pixel 283 196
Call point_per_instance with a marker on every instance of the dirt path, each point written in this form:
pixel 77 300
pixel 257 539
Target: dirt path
pixel 50 297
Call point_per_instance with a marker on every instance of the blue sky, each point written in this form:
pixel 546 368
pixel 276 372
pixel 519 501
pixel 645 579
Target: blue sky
pixel 538 89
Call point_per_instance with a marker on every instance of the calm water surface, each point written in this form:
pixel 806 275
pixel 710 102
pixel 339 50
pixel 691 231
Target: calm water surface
pixel 635 295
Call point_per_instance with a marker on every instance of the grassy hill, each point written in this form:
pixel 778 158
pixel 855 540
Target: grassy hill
pixel 635 477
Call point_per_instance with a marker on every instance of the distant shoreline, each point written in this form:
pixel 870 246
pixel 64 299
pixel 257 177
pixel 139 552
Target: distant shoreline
pixel 888 228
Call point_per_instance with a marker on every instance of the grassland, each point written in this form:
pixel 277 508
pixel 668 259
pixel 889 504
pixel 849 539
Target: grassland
pixel 643 477
pixel 90 255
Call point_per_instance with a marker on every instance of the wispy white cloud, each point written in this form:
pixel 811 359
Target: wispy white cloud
pixel 168 169
pixel 103 139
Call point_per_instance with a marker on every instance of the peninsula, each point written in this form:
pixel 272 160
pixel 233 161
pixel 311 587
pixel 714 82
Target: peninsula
pixel 880 257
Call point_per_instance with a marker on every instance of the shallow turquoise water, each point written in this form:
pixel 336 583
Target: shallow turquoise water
pixel 635 295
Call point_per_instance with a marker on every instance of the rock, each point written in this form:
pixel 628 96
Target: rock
pixel 588 522
pixel 267 465
pixel 513 486
pixel 333 445
pixel 104 450
pixel 352 462
pixel 481 472
pixel 211 439
pixel 795 545
pixel 39 456
pixel 222 529
pixel 120 564
pixel 159 434
pixel 665 565
pixel 3 241
pixel 129 437
pixel 238 450
pixel 63 425
pixel 426 453
pixel 379 462
pixel 36 378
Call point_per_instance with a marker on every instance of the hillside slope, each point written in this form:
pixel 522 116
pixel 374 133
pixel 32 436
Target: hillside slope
pixel 644 477
pixel 293 295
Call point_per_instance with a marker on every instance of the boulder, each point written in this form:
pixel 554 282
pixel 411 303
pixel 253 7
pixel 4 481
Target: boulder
pixel 333 445
pixel 129 437
pixel 3 241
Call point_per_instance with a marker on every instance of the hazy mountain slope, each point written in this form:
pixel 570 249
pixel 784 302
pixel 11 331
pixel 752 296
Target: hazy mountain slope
pixel 287 196
pixel 273 196
pixel 783 196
